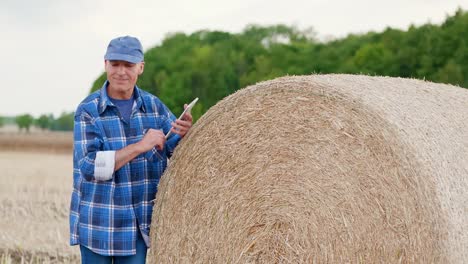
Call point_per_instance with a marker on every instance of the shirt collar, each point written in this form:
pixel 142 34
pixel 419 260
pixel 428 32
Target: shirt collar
pixel 105 100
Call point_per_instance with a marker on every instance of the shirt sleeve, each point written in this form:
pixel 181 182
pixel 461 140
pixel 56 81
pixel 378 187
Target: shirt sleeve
pixel 173 139
pixel 104 165
pixel 92 161
pixel 171 144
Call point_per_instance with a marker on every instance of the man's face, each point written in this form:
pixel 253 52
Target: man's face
pixel 122 76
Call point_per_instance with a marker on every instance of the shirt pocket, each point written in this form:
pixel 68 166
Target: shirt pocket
pixel 97 192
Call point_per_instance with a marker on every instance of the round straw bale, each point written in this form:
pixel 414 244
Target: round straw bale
pixel 320 168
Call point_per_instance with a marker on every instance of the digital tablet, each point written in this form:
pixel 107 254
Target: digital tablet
pixel 188 109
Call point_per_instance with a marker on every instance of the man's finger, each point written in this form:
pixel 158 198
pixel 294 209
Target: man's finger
pixel 187 116
pixel 186 123
pixel 179 126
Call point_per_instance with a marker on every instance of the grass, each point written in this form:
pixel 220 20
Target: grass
pixel 9 257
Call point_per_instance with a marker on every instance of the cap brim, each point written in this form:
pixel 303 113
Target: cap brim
pixel 123 57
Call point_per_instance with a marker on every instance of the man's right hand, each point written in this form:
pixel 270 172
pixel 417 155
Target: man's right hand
pixel 152 138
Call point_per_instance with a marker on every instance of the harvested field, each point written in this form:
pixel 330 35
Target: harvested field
pixel 320 169
pixel 50 142
pixel 35 187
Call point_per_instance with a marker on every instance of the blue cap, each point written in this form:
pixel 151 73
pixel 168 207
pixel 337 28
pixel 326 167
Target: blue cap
pixel 125 49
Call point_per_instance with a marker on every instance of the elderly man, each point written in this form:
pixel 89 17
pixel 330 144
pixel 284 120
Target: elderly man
pixel 120 153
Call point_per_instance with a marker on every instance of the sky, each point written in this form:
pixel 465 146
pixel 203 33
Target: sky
pixel 52 50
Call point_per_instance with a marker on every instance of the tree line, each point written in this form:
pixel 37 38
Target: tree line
pixel 213 64
pixel 45 122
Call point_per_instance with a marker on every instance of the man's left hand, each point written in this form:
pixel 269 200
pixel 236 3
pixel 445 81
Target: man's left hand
pixel 182 126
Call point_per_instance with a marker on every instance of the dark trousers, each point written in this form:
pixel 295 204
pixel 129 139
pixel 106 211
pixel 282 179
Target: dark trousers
pixel 89 257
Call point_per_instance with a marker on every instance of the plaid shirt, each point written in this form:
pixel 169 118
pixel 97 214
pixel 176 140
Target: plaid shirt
pixel 105 216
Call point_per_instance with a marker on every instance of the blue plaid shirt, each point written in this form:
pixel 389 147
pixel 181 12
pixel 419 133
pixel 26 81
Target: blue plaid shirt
pixel 105 216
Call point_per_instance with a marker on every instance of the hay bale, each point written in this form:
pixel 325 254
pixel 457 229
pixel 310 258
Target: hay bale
pixel 321 168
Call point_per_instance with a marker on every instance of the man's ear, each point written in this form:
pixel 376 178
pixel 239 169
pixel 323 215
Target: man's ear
pixel 142 67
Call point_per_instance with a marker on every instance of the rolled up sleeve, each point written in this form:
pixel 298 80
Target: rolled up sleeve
pixel 93 163
pixel 104 165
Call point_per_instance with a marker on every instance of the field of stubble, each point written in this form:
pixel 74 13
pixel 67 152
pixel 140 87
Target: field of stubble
pixel 35 186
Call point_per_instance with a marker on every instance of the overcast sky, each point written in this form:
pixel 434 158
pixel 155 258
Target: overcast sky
pixel 52 50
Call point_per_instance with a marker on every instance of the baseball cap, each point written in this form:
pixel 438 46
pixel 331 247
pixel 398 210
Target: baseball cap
pixel 125 48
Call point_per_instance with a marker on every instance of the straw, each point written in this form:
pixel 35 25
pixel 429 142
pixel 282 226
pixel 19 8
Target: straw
pixel 320 169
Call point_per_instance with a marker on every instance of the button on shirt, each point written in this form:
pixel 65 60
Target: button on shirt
pixel 108 208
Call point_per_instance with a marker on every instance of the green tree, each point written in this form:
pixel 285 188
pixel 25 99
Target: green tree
pixel 213 64
pixel 24 121
pixel 44 121
pixel 64 122
pixel 451 73
pixel 373 59
pixel 2 121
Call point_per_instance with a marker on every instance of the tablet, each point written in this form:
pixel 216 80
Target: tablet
pixel 188 109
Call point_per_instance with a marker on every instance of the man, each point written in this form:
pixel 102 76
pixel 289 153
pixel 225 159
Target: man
pixel 120 152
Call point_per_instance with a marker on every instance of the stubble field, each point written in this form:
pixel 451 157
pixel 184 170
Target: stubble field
pixel 35 187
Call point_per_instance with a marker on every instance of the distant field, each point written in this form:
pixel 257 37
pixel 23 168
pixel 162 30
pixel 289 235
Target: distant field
pixel 50 142
pixel 35 187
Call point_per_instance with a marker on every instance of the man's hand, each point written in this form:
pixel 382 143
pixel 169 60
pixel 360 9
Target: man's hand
pixel 183 125
pixel 152 138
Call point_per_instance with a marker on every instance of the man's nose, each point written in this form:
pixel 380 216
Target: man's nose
pixel 120 69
